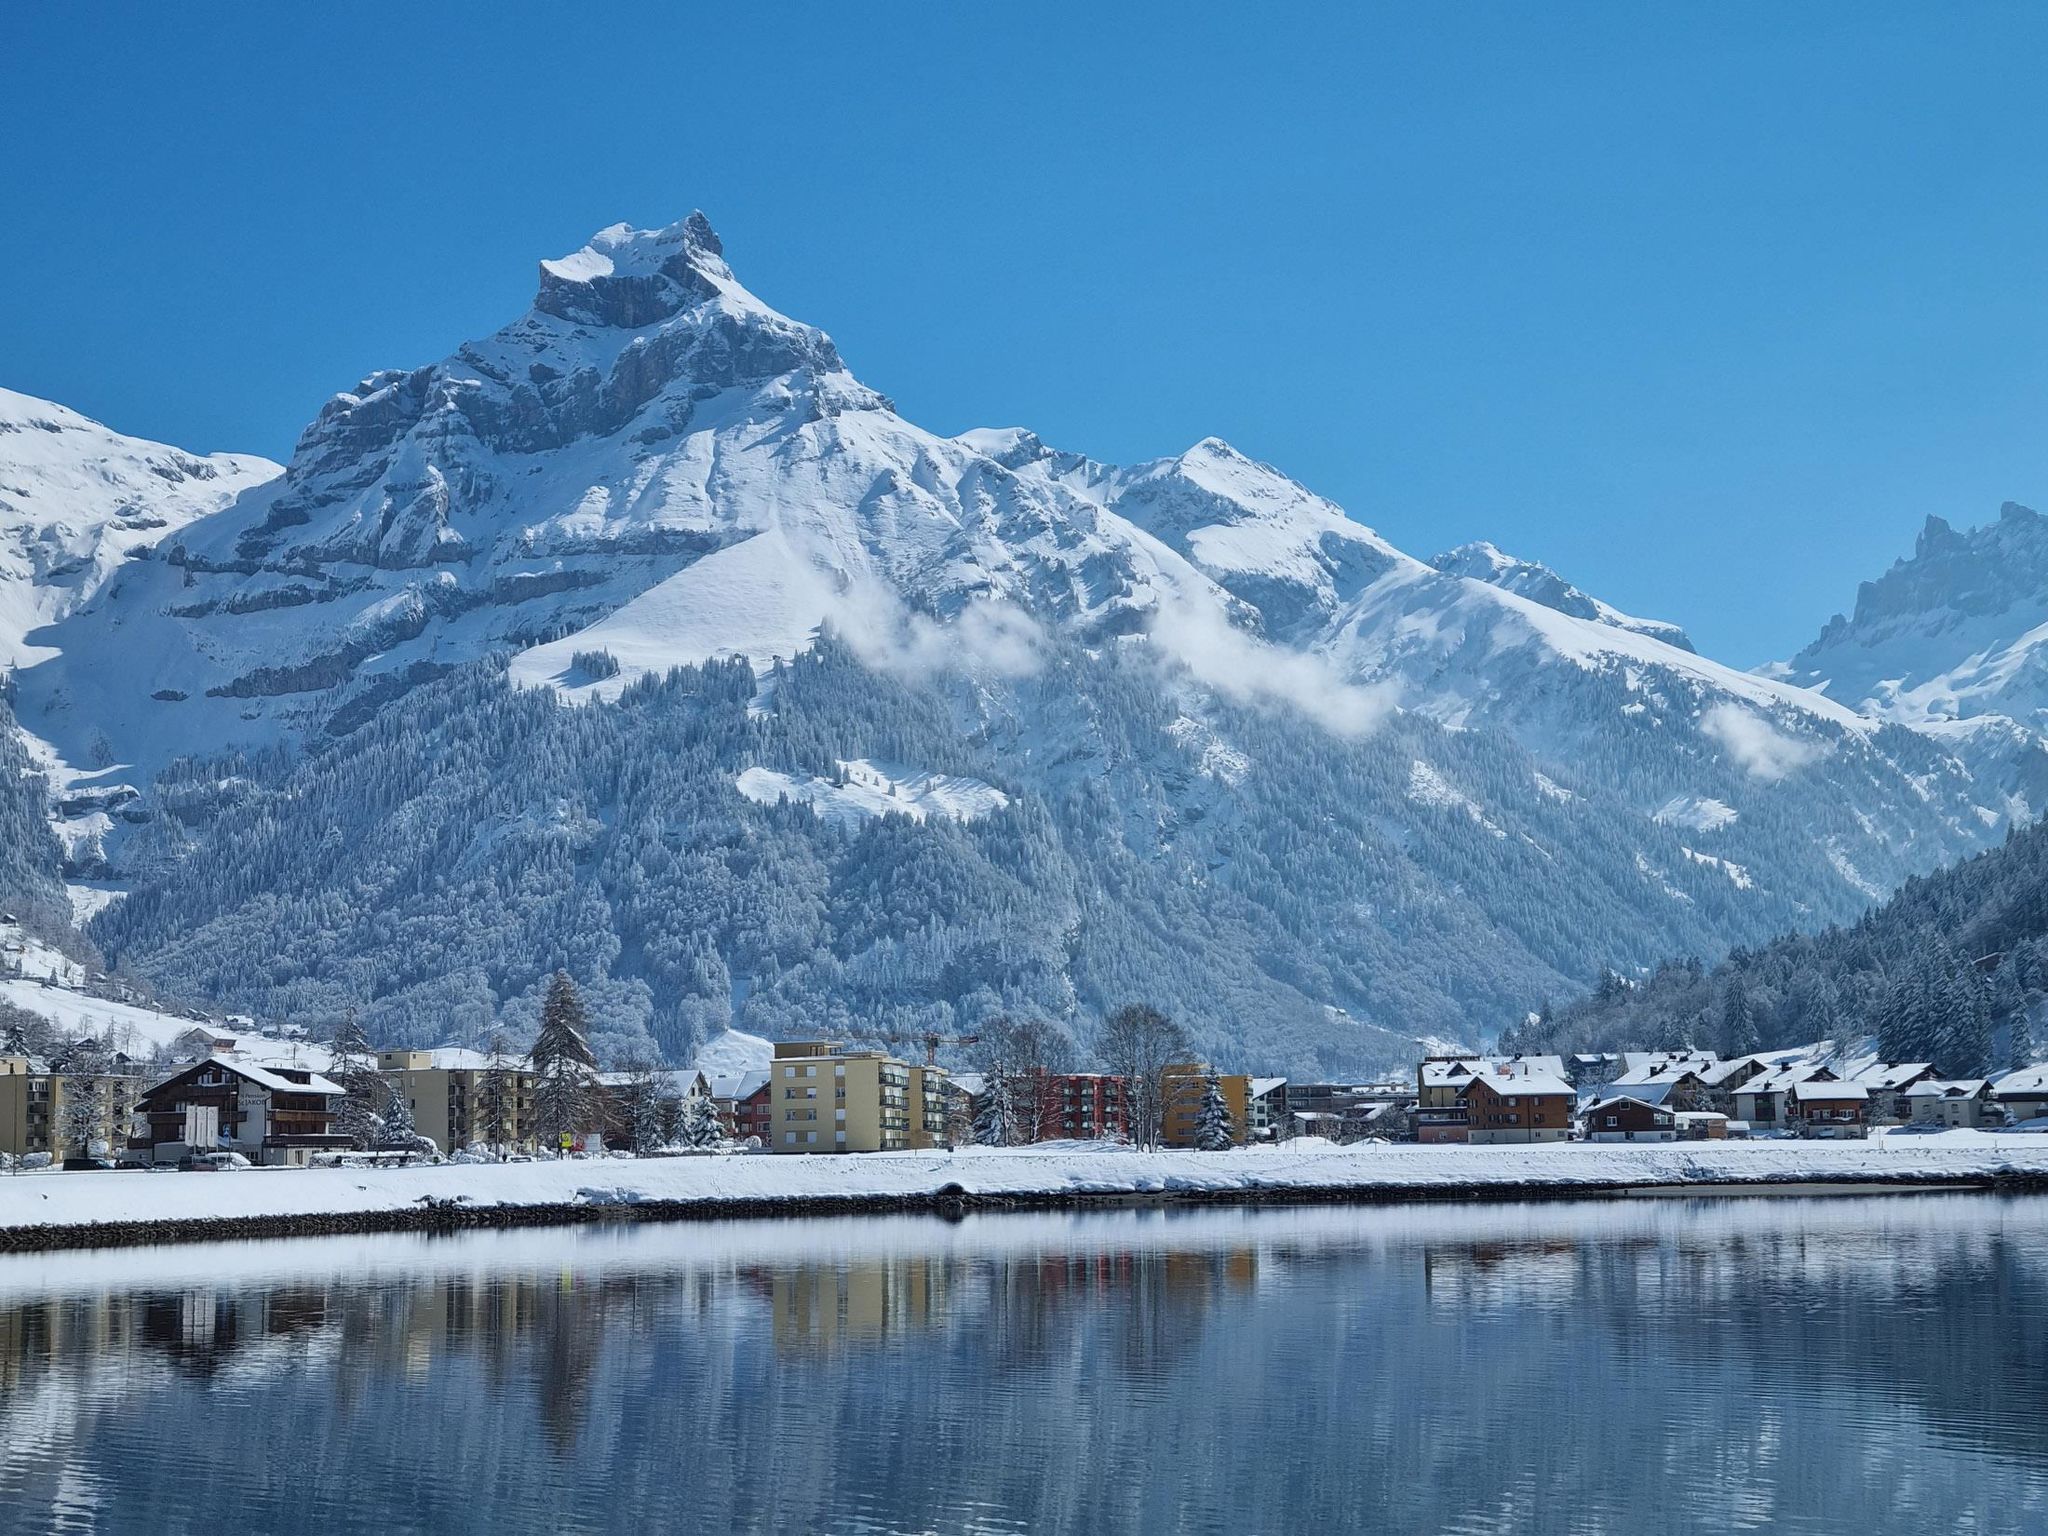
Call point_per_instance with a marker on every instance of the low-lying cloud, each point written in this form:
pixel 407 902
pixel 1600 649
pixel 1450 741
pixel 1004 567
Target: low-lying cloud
pixel 1248 670
pixel 1760 748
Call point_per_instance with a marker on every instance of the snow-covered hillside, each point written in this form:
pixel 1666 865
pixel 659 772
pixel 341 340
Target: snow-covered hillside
pixel 76 499
pixel 1132 711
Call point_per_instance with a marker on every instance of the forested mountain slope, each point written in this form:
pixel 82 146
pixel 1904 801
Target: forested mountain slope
pixel 1951 969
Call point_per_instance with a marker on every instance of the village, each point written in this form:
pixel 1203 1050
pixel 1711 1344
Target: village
pixel 214 1098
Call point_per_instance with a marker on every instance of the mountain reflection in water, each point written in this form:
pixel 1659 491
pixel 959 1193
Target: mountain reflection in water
pixel 1861 1365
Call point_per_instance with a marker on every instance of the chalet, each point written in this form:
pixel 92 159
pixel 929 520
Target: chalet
pixel 1503 1107
pixel 276 1115
pixel 1680 1082
pixel 1622 1118
pixel 2023 1094
pixel 1442 1112
pixel 1887 1083
pixel 1965 1102
pixel 1764 1100
pixel 1828 1108
pixel 743 1104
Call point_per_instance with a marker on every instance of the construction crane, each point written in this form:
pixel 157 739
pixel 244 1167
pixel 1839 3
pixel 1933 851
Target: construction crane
pixel 932 1040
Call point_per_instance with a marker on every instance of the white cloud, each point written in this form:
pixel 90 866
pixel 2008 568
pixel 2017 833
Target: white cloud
pixel 1249 670
pixel 990 637
pixel 1763 751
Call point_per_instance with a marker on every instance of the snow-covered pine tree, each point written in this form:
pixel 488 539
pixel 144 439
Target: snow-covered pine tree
pixel 83 1115
pixel 995 1120
pixel 564 1070
pixel 1963 1046
pixel 701 1128
pixel 1213 1129
pixel 358 1115
pixel 401 1133
pixel 647 1112
pixel 1738 1021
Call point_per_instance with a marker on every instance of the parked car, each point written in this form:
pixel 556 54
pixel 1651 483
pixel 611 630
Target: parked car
pixel 218 1162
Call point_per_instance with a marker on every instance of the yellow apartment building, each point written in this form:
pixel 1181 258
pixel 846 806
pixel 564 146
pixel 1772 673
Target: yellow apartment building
pixel 32 1108
pixel 825 1098
pixel 1181 1102
pixel 447 1091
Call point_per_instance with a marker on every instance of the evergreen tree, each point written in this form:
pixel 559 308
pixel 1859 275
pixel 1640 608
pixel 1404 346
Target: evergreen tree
pixel 702 1130
pixel 2020 1040
pixel 355 1071
pixel 1738 1021
pixel 995 1119
pixel 564 1070
pixel 1213 1129
pixel 400 1133
pixel 1963 1045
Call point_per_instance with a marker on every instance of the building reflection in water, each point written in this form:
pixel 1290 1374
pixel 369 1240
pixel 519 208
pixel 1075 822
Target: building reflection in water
pixel 1293 1364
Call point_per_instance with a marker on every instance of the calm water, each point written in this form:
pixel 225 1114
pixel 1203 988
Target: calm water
pixel 1798 1366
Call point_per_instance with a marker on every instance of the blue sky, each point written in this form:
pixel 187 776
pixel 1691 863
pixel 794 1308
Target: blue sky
pixel 1706 306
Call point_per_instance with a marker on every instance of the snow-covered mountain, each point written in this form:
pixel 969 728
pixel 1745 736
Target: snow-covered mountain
pixel 1532 579
pixel 1180 729
pixel 76 499
pixel 1957 631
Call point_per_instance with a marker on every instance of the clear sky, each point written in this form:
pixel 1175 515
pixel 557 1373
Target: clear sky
pixel 1707 306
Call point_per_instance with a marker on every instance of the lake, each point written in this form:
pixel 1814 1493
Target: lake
pixel 1793 1365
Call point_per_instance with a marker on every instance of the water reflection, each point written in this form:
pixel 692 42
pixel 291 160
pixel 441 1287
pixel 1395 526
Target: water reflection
pixel 1620 1367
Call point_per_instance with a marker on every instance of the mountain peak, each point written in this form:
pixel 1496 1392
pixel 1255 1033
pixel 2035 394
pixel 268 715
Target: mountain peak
pixel 1483 561
pixel 629 278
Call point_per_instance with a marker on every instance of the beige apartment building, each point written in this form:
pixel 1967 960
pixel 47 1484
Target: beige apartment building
pixel 32 1107
pixel 448 1091
pixel 825 1098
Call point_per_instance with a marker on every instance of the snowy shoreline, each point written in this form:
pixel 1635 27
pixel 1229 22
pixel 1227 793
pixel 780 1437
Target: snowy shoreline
pixel 96 1210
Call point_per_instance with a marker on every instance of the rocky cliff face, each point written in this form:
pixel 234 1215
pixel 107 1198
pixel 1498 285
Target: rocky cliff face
pixel 1953 633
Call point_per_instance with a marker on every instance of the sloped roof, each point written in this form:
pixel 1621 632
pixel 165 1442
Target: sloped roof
pixel 1956 1088
pixel 1535 1084
pixel 1830 1091
pixel 1624 1098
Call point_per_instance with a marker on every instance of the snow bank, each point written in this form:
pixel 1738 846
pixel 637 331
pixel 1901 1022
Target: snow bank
pixel 75 1199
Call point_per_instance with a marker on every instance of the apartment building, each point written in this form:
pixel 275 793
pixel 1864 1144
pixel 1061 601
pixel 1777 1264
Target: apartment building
pixel 1181 1089
pixel 32 1106
pixel 456 1099
pixel 826 1098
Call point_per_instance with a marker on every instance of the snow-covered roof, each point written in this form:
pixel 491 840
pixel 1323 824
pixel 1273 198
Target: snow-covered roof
pixel 735 1085
pixel 2026 1080
pixel 1956 1088
pixel 262 1076
pixel 1651 1092
pixel 1780 1078
pixel 1530 1066
pixel 1888 1074
pixel 1623 1098
pixel 1535 1083
pixel 1261 1086
pixel 1699 1114
pixel 1446 1074
pixel 1811 1090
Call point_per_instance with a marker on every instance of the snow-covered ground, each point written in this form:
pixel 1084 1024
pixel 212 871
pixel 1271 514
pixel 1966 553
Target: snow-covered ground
pixel 867 789
pixel 70 1199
